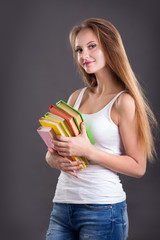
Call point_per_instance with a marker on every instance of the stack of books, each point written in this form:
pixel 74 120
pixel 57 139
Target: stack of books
pixel 62 120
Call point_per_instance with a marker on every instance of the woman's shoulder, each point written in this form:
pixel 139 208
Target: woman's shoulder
pixel 125 104
pixel 73 97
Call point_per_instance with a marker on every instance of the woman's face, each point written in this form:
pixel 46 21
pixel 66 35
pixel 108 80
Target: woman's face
pixel 89 53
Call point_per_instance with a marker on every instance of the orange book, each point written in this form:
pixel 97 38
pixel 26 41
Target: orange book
pixel 55 110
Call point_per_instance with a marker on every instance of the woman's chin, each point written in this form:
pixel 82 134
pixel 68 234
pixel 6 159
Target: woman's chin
pixel 89 71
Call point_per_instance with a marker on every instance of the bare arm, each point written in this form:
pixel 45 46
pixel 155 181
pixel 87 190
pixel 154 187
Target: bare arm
pixel 132 164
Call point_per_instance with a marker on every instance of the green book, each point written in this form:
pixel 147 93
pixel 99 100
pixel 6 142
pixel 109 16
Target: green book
pixel 76 114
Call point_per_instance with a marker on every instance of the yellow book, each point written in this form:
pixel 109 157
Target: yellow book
pixel 58 129
pixel 61 121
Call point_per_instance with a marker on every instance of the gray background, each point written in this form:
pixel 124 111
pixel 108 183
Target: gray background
pixel 37 70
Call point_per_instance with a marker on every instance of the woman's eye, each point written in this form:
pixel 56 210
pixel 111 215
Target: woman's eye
pixel 92 46
pixel 78 50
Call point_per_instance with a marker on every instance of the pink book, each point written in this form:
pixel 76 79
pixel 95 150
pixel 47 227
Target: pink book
pixel 46 134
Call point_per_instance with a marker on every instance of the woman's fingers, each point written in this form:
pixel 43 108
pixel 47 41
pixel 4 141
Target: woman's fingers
pixel 61 149
pixel 58 143
pixel 72 168
pixel 73 173
pixel 68 165
pixel 62 153
pixel 50 149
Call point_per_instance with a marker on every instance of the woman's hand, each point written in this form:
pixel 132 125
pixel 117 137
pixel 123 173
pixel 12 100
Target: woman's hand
pixel 63 163
pixel 73 146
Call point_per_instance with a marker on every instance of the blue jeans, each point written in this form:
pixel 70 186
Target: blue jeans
pixel 88 221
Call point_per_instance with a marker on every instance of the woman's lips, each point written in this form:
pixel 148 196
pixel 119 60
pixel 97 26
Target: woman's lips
pixel 88 63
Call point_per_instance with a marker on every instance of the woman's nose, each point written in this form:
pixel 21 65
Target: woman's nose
pixel 85 54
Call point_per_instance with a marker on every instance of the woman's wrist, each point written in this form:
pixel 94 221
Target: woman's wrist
pixel 89 152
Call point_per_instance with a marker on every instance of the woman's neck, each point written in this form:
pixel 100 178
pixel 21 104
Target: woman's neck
pixel 107 83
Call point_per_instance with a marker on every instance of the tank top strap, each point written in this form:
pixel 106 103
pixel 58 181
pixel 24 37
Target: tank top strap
pixel 110 104
pixel 79 98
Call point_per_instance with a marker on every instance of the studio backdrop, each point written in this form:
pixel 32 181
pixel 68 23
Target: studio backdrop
pixel 37 70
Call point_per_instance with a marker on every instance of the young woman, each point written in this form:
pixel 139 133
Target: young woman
pixel 91 204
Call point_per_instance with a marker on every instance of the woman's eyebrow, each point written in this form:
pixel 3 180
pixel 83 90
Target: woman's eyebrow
pixel 86 44
pixel 90 42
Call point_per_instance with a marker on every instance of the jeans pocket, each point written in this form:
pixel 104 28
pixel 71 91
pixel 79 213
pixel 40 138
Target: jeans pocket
pixel 125 223
pixel 98 221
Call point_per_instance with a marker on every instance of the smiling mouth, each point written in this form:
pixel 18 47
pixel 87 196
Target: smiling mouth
pixel 88 63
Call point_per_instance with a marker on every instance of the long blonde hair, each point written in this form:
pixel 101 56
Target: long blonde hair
pixel 111 43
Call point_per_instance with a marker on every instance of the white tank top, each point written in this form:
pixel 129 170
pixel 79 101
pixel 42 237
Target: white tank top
pixel 95 184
